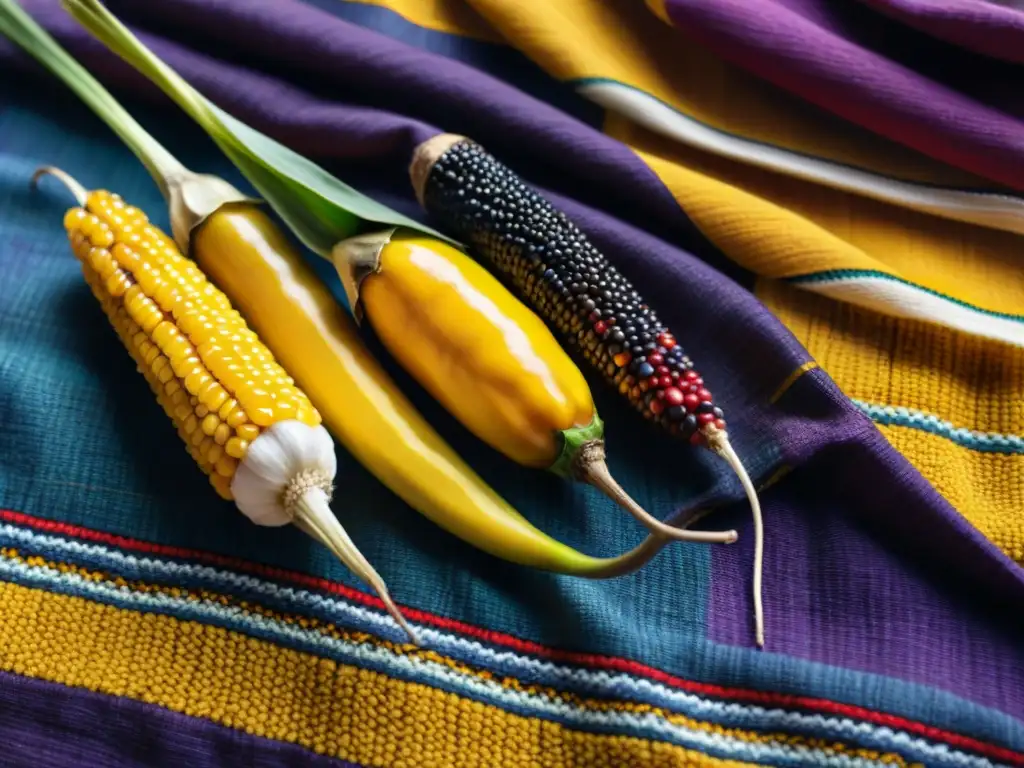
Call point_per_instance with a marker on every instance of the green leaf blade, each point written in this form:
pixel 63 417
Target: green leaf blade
pixel 315 182
pixel 313 204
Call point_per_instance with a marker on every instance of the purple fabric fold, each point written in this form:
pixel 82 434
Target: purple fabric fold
pixel 942 101
pixel 985 27
pixel 895 620
pixel 51 725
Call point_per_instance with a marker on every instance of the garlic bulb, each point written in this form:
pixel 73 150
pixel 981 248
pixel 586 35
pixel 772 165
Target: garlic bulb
pixel 287 477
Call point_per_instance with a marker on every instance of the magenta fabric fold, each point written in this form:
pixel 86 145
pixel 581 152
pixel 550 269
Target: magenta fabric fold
pixel 953 105
pixel 987 27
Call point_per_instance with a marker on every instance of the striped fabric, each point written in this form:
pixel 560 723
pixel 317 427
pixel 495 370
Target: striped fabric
pixel 132 590
pixel 849 282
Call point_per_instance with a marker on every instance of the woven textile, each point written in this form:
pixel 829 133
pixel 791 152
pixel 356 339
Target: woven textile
pixel 854 295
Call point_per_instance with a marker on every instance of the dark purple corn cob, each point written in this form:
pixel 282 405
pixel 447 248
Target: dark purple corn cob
pixel 569 283
pixel 559 273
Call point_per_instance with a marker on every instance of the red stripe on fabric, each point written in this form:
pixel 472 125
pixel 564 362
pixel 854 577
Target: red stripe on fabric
pixel 611 663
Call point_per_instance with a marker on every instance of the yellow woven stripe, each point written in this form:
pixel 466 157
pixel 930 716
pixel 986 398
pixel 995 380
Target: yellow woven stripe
pixel 453 17
pixel 622 40
pixel 777 226
pixel 282 694
pixel 791 380
pixel 511 683
pixel 986 488
pixel 969 382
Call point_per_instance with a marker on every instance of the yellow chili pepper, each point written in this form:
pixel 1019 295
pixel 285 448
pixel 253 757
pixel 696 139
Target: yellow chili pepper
pixel 491 361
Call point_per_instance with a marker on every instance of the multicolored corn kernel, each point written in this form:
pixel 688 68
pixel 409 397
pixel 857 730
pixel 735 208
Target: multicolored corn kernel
pixel 215 380
pixel 571 284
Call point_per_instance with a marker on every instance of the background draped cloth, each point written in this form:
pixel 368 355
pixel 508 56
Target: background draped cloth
pixel 824 201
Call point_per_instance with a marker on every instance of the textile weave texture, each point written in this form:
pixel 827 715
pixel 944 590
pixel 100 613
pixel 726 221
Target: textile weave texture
pixel 835 240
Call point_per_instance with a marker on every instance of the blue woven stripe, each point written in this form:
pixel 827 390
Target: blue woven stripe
pixel 984 442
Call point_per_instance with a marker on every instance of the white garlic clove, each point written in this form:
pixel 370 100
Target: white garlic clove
pixel 287 477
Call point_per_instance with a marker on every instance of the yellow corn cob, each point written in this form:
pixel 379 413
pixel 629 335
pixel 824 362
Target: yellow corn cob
pixel 249 428
pixel 219 385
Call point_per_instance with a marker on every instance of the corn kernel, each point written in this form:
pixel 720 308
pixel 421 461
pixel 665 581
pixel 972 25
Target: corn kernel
pixel 210 424
pixel 214 452
pixel 248 432
pixel 222 485
pixel 195 380
pixel 226 466
pixel 73 218
pixel 236 418
pixel 222 433
pixel 237 447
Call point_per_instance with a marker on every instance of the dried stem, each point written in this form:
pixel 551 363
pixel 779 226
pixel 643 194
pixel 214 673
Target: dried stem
pixel 590 467
pixel 77 191
pixel 718 441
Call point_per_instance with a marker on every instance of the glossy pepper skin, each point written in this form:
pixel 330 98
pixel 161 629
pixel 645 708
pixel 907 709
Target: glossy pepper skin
pixel 484 355
pixel 249 258
pixel 481 353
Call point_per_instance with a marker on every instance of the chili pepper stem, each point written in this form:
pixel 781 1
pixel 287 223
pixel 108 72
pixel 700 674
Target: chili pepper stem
pixel 313 515
pixel 77 191
pixel 718 441
pixel 590 467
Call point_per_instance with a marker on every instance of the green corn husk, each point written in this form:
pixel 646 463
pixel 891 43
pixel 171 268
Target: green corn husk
pixel 320 209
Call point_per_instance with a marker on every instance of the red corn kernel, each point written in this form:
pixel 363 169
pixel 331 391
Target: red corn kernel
pixel 691 375
pixel 704 395
pixel 662 370
pixel 655 359
pixel 600 327
pixel 657 407
pixel 653 382
pixel 720 423
pixel 673 396
pixel 705 418
pixel 665 381
pixel 691 401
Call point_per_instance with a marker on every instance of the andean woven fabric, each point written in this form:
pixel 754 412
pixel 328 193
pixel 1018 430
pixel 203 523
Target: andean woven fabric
pixel 886 432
